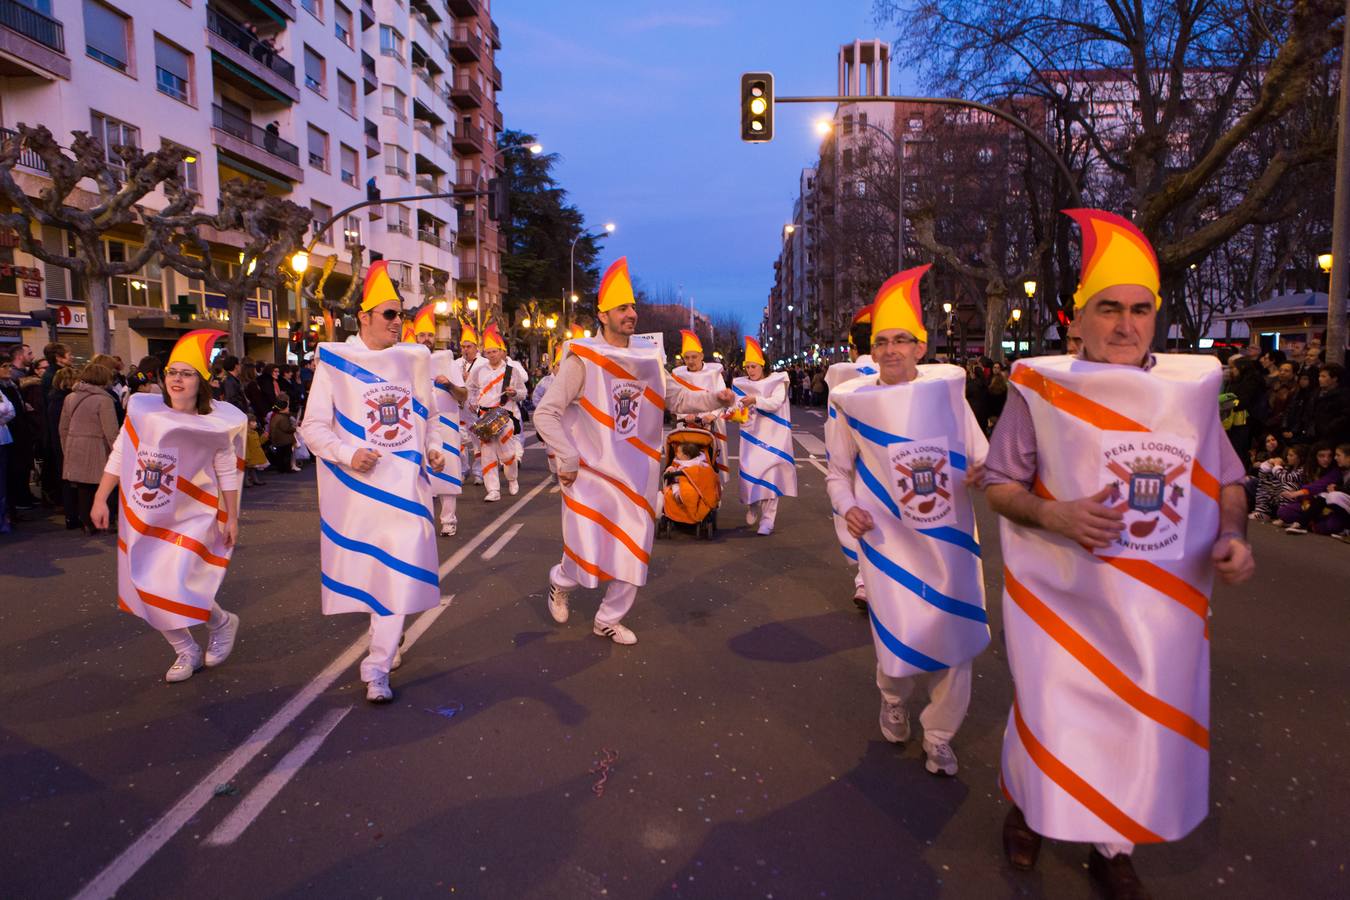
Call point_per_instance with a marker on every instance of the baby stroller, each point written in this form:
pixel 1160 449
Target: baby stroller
pixel 694 506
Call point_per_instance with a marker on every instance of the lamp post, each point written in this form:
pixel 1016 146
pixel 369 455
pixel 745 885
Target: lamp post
pixel 299 264
pixel 479 184
pixel 789 230
pixel 1029 286
pixel 947 309
pixel 572 269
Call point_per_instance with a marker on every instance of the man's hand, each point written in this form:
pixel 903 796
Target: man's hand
pixel 98 516
pixel 749 400
pixel 509 393
pixel 975 476
pixel 859 521
pixel 1088 521
pixel 436 460
pixel 230 528
pixel 1233 559
pixel 364 460
pixel 726 397
pixel 442 381
pixel 566 479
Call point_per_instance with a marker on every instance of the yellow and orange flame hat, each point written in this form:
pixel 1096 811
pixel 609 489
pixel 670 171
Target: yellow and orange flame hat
pixel 864 315
pixel 753 352
pixel 898 305
pixel 492 339
pixel 1114 252
pixel 194 348
pixel 616 288
pixel 379 287
pixel 409 336
pixel 557 354
pixel 425 320
pixel 467 335
pixel 689 342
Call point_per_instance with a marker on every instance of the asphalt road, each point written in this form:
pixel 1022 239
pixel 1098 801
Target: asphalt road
pixel 736 743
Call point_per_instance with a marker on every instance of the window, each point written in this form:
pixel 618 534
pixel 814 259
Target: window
pixel 314 8
pixel 188 170
pixel 391 42
pixel 173 70
pixel 143 288
pixel 401 274
pixel 395 160
pixel 322 213
pixel 352 230
pixel 398 219
pixel 349 166
pixel 916 123
pixel 315 77
pixel 215 308
pixel 394 102
pixel 346 95
pixel 318 148
pixel 342 24
pixel 110 133
pixel 848 158
pixel 105 35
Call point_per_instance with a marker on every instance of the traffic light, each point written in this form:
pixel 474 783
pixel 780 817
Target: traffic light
pixel 498 199
pixel 757 107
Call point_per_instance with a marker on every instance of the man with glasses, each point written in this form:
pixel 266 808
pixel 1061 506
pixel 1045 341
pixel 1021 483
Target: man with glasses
pixel 469 363
pixel 369 423
pixel 903 453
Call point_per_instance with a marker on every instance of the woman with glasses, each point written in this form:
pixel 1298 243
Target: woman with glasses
pixel 177 464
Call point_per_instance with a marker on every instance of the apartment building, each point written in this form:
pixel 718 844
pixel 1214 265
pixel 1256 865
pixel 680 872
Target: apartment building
pixel 323 101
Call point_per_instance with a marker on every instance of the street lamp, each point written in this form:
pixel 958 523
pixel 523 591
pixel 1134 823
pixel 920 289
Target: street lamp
pixel 535 148
pixel 572 268
pixel 947 309
pixel 825 126
pixel 1324 262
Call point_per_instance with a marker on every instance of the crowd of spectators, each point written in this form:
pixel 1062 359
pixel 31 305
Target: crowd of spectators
pixel 59 418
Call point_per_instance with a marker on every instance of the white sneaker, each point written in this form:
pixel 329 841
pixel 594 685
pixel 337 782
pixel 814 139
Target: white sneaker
pixel 513 487
pixel 448 530
pixel 616 632
pixel 220 641
pixel 184 666
pixel 894 722
pixel 493 496
pixel 557 603
pixel 941 759
pixel 860 598
pixel 765 529
pixel 750 517
pixel 378 690
pixel 1296 528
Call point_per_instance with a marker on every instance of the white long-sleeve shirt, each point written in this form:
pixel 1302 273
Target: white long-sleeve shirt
pixel 566 390
pixel 224 463
pixel 487 397
pixel 843 451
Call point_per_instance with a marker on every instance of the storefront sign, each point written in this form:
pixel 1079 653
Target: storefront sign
pixel 16 320
pixel 253 309
pixel 74 318
pixel 32 289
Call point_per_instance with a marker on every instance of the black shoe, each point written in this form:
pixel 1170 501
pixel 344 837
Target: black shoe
pixel 72 524
pixel 1020 844
pixel 1116 876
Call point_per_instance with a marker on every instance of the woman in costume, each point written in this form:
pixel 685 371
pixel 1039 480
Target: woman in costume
pixel 767 469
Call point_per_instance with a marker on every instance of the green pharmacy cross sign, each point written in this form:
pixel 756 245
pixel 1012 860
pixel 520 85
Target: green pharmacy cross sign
pixel 185 309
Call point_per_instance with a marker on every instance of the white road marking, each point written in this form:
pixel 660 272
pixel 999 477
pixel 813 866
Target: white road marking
pixel 228 831
pixel 502 541
pixel 810 443
pixel 118 872
pixel 819 465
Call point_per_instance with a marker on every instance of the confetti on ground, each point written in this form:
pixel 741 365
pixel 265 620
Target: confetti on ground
pixel 603 765
pixel 448 712
pixel 225 790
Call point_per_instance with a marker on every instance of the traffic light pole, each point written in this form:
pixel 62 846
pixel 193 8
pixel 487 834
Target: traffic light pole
pixel 968 104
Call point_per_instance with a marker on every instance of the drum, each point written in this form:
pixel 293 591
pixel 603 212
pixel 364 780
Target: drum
pixel 491 423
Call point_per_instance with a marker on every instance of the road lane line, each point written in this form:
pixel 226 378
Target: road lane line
pixel 810 443
pixel 819 465
pixel 118 872
pixel 228 831
pixel 502 541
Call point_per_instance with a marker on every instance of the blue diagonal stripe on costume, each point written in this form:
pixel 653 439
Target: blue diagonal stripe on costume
pixel 901 649
pixel 398 565
pixel 866 370
pixel 921 588
pixel 761 482
pixel 448 448
pixel 773 418
pixel 348 367
pixel 737 391
pixel 448 424
pixel 355 593
pixel 772 449
pixel 375 493
pixel 412 456
pixel 350 425
pixel 420 409
pixel 944 533
pixel 885 439
pixel 450 478
pixel 849 553
pixel 833 414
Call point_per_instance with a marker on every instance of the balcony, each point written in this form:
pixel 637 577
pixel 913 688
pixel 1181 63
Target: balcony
pixel 240 138
pixel 367 15
pixel 247 63
pixel 468 235
pixel 465 46
pixel 424 76
pixel 399 228
pixel 496 36
pixel 372 139
pixel 496 77
pixel 463 9
pixel 468 271
pixel 369 78
pixel 435 240
pixel 468 139
pixel 27 158
pixel 465 93
pixel 497 117
pixel 427 185
pixel 466 180
pixel 32 43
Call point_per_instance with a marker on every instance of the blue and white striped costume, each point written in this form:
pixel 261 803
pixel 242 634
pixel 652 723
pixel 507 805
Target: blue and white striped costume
pixel 766 467
pixel 450 480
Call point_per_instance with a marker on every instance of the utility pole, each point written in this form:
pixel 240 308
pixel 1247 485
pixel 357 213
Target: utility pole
pixel 1340 223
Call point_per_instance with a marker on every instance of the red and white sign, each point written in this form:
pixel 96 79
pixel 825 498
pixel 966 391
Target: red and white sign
pixel 74 318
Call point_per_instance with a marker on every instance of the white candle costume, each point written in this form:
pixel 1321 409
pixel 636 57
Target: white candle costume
pixel 450 480
pixel 472 466
pixel 765 449
pixel 709 378
pixel 837 374
pixel 503 453
pixel 174 469
pixel 1108 738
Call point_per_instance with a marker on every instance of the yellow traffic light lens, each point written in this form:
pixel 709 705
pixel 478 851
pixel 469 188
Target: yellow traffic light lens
pixel 757 106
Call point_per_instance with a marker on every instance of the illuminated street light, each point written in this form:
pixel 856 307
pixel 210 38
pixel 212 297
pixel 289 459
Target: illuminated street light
pixel 473 304
pixel 610 226
pixel 586 333
pixel 1030 288
pixel 1324 262
pixel 299 262
pixel 1017 315
pixel 947 308
pixel 824 126
pixel 442 307
pixel 552 322
pixel 525 323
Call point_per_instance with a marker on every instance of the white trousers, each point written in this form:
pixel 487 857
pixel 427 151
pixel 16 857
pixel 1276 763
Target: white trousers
pixel 498 456
pixel 385 634
pixel 948 698
pixel 181 638
pixel 1110 850
pixel 618 600
pixel 470 449
pixel 448 508
pixel 858 586
pixel 768 513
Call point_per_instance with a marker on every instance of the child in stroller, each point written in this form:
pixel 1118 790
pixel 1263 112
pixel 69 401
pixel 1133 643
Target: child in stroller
pixel 692 491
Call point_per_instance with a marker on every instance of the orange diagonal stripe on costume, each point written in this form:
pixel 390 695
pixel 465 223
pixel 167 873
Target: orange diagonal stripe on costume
pixel 638 500
pixel 617 371
pixel 492 384
pixel 646 448
pixel 589 567
pixel 680 381
pixel 122 605
pixel 1106 671
pixel 172 537
pixel 1093 413
pixel 205 497
pixel 1080 790
pixel 132 436
pixel 608 421
pixel 173 606
pixel 612 527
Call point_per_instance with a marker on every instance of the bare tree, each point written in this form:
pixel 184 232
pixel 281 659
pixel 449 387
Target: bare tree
pixel 120 183
pixel 273 229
